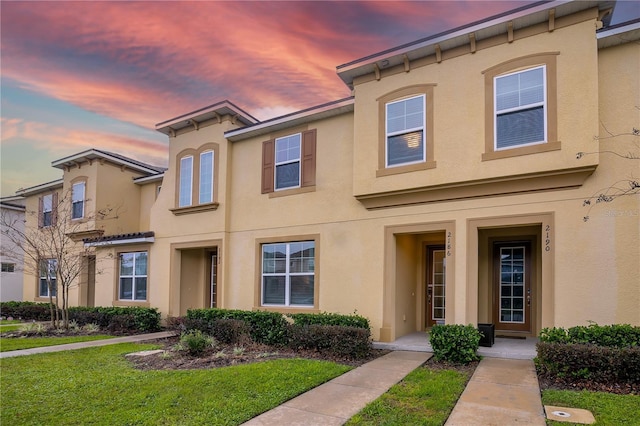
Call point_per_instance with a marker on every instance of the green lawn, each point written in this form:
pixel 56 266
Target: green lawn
pixel 607 408
pixel 424 397
pixel 98 386
pixel 5 322
pixel 9 327
pixel 15 343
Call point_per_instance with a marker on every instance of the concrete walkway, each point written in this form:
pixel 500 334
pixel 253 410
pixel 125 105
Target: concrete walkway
pixel 334 402
pixel 90 344
pixel 500 392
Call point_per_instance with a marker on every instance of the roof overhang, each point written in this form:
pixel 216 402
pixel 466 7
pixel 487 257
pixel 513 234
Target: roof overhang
pixel 211 112
pixel 149 179
pixel 522 17
pixel 624 32
pixel 330 109
pixel 95 154
pixel 122 239
pixel 43 187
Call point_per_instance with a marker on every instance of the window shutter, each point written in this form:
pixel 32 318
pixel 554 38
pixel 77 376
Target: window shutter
pixel 268 163
pixel 40 212
pixel 308 158
pixel 54 209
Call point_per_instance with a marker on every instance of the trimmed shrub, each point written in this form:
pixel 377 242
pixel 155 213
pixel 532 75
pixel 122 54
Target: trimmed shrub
pixel 138 319
pixel 228 330
pixel 28 311
pixel 264 327
pixel 325 318
pixel 600 364
pixel 615 336
pixel 455 343
pixel 340 341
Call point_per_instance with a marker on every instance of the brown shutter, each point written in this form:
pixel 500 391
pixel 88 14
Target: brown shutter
pixel 268 164
pixel 308 158
pixel 40 212
pixel 54 209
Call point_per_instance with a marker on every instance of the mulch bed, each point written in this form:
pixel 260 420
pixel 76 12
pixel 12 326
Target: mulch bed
pixel 553 382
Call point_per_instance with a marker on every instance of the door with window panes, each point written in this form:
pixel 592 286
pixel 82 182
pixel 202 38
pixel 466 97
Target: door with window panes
pixel 436 285
pixel 512 286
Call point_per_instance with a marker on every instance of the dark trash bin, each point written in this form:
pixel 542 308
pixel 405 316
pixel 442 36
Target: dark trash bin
pixel 488 332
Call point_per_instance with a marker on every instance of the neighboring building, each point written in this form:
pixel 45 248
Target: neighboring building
pixel 12 211
pixel 449 188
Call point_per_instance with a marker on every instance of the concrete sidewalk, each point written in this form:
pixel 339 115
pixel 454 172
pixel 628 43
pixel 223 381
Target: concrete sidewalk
pixel 334 402
pixel 80 345
pixel 500 392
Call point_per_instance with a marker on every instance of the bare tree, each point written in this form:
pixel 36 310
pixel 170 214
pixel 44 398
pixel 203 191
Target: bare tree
pixel 629 185
pixel 53 250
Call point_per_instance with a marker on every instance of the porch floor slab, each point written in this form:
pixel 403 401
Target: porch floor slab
pixel 502 348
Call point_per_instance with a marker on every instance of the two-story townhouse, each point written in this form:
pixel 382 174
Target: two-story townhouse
pixel 450 187
pixel 11 258
pixel 447 189
pixel 102 198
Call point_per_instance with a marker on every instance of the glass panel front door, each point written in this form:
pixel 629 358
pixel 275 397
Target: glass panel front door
pixel 436 286
pixel 512 288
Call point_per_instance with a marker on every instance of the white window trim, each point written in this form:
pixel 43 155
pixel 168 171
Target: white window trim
pixel 402 132
pixel 544 105
pixel 73 202
pixel 190 181
pixel 287 274
pixel 213 164
pixel 53 278
pixel 276 163
pixel 133 277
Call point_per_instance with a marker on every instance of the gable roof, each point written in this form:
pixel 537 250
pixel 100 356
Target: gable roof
pixel 96 154
pixel 521 17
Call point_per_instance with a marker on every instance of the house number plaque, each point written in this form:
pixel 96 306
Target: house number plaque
pixel 448 244
pixel 547 241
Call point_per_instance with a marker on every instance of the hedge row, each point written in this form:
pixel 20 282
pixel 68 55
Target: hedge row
pixel 600 364
pixel 117 319
pixel 340 335
pixel 616 335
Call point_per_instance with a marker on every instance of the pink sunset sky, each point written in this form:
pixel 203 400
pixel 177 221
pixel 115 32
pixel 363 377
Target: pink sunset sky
pixel 81 75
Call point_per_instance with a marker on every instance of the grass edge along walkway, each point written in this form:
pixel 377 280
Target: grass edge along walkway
pixel 99 383
pixel 8 344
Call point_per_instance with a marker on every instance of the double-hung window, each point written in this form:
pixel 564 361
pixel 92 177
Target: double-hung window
pixel 77 200
pixel 206 177
pixel 288 162
pixel 186 180
pixel 48 282
pixel 46 218
pixel 288 274
pixel 8 267
pixel 405 131
pixel 133 276
pixel 520 108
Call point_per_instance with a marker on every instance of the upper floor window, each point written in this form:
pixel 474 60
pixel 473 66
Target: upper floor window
pixel 48 283
pixel 77 200
pixel 289 162
pixel 186 180
pixel 47 210
pixel 521 107
pixel 405 128
pixel 206 177
pixel 196 180
pixel 520 103
pixel 133 276
pixel 8 267
pixel 405 131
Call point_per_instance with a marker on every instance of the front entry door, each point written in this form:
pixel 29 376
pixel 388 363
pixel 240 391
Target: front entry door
pixel 512 286
pixel 436 285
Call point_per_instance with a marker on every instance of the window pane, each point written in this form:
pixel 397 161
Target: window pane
pixel 47 203
pixel 405 115
pixel 288 175
pixel 288 148
pixel 46 218
pixel 186 176
pixel 77 200
pixel 141 288
pixel 126 264
pixel 302 290
pixel 520 127
pixel 206 177
pixel 273 290
pixel 44 288
pixel 141 263
pixel 126 288
pixel 302 257
pixel 405 148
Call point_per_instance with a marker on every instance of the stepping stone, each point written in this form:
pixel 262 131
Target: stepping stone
pixel 572 415
pixel 146 353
